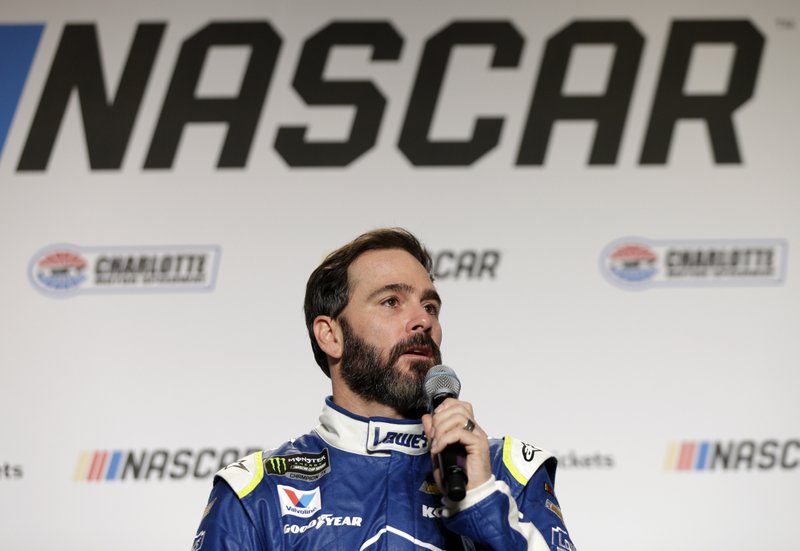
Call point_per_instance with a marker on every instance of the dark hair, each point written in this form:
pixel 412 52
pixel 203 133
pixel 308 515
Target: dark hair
pixel 328 289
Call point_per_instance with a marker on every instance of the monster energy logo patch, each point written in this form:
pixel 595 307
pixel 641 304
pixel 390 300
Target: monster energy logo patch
pixel 301 466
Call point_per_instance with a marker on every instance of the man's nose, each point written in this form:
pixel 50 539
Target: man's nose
pixel 420 321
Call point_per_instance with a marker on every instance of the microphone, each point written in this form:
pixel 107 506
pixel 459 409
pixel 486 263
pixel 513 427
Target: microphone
pixel 441 383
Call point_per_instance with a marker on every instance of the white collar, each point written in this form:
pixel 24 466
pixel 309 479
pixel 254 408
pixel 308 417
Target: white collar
pixel 370 435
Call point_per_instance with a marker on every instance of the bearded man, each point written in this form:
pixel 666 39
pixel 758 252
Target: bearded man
pixel 364 478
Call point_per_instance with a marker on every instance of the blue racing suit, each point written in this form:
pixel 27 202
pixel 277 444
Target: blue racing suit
pixel 356 483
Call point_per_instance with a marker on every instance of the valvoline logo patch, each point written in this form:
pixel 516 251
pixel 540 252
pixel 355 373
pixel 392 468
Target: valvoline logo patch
pixel 60 270
pixel 299 503
pixel 632 262
pixel 298 499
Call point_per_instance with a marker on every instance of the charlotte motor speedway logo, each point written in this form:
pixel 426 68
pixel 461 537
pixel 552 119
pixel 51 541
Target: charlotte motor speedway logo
pixel 66 270
pixel 635 262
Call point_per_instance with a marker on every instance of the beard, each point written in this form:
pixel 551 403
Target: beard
pixel 382 382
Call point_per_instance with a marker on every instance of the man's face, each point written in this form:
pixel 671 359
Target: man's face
pixel 381 381
pixel 390 328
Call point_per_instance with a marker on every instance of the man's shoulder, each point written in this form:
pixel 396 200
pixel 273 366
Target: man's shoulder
pixel 514 459
pixel 304 458
pixel 244 474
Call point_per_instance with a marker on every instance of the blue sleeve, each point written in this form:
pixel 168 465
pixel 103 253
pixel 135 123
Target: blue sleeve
pixel 225 525
pixel 509 514
pixel 540 507
pixel 487 523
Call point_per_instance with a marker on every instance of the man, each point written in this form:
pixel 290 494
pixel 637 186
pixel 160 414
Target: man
pixel 363 479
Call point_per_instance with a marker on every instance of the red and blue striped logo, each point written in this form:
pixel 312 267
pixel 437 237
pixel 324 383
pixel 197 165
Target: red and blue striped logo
pixel 300 499
pixel 99 465
pixel 688 456
pixel 734 455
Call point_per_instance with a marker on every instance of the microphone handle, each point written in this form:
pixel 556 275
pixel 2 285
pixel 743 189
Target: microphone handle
pixel 452 465
pixel 452 462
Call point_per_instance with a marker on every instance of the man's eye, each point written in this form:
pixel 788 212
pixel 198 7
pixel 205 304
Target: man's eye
pixel 390 302
pixel 432 309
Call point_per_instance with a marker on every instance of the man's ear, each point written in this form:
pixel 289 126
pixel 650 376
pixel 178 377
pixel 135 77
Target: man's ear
pixel 329 336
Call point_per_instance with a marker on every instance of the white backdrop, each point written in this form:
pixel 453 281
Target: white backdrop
pixel 618 377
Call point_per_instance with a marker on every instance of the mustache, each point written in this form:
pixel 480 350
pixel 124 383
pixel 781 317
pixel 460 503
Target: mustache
pixel 418 339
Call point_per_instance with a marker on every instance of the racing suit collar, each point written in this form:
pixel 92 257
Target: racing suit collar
pixel 370 435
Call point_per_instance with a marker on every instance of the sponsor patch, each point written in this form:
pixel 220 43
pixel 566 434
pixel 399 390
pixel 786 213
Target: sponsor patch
pixel 429 511
pixel 528 451
pixel 197 544
pixel 560 539
pixel 208 508
pixel 387 437
pixel 301 466
pixel 299 503
pixel 430 487
pixel 239 465
pixel 323 521
pixel 244 475
pixel 555 509
pixel 522 459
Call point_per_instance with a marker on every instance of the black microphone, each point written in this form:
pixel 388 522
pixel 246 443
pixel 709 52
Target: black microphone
pixel 441 383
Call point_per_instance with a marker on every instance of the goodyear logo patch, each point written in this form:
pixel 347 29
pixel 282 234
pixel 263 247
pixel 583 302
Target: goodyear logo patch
pixel 301 466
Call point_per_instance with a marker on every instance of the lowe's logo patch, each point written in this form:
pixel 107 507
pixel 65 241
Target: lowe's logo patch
pixel 387 437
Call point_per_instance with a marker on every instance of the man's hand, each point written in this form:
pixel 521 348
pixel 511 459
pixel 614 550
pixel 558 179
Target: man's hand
pixel 449 424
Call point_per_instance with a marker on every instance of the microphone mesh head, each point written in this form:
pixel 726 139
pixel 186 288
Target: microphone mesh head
pixel 439 380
